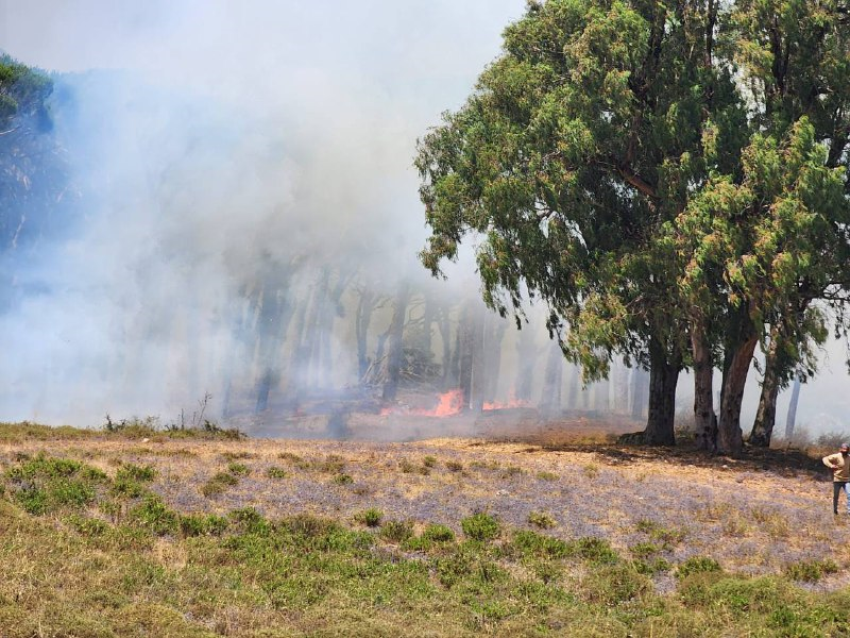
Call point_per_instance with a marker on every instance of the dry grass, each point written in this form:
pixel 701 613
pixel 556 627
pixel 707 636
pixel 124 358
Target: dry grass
pixel 284 547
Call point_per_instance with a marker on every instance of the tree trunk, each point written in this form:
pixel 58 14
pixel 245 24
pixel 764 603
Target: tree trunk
pixel 362 320
pixel 640 393
pixel 663 378
pixel 526 356
pixel 395 353
pixel 766 415
pixel 492 355
pixel 620 381
pixel 450 377
pixel 791 418
pixel 468 368
pixel 730 439
pixel 550 400
pixel 602 397
pixel 574 387
pixel 705 420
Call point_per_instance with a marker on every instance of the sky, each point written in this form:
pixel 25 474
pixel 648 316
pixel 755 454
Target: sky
pixel 214 131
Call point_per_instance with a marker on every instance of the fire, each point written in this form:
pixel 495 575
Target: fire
pixel 449 404
pixel 505 405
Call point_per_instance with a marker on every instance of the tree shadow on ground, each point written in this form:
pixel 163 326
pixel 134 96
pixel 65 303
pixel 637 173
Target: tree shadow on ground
pixel 602 441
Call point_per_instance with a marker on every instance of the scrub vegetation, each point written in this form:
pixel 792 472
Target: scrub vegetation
pixel 102 535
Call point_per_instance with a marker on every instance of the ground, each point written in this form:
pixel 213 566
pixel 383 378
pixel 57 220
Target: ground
pixel 655 515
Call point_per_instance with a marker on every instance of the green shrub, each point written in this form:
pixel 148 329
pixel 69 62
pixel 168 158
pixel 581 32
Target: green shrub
pixel 429 461
pixel 547 476
pixel 541 520
pixel 596 550
pixel 698 565
pixel 127 488
pixel 454 466
pixel 438 533
pixel 276 473
pixel 87 526
pixel 810 571
pixel 238 469
pixel 130 472
pixel 406 466
pixel 155 516
pixel 396 531
pixel 371 517
pixel 343 479
pixel 218 484
pixel 202 525
pixel 33 500
pixel 480 527
pixel 534 544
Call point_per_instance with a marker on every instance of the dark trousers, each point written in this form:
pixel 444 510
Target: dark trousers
pixel 837 486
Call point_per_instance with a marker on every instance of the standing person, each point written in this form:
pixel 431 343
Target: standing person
pixel 839 463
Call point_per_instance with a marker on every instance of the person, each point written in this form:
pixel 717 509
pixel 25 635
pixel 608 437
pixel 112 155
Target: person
pixel 839 463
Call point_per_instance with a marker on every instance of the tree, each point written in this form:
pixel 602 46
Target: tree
pixel 33 172
pixel 577 146
pixel 669 177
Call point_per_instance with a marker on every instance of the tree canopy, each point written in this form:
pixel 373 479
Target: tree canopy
pixel 670 177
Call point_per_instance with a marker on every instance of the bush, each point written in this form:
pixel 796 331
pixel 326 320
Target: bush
pixel 218 484
pixel 153 515
pixel 343 479
pixel 541 520
pixel 454 466
pixel 202 525
pixel 371 517
pixel 480 527
pixel 276 473
pixel 698 565
pixel 438 533
pixel 238 469
pixel 810 571
pixel 396 531
pixel 130 472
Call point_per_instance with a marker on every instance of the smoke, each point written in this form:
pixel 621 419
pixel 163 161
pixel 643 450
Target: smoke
pixel 221 150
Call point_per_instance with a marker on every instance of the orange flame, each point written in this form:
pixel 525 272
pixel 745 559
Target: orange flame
pixel 450 403
pixel 505 405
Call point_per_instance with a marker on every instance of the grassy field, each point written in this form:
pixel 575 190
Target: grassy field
pixel 139 533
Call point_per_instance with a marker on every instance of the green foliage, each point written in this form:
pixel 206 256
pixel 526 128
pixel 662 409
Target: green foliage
pixel 541 520
pixel 130 472
pixel 438 533
pixel 154 516
pixel 202 525
pixel 371 517
pixel 481 527
pixel 810 571
pixel 218 484
pixel 238 469
pixel 276 473
pixel 698 565
pixel 396 531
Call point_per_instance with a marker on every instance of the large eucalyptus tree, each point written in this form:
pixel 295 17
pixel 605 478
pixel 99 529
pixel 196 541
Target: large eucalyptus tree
pixel 668 176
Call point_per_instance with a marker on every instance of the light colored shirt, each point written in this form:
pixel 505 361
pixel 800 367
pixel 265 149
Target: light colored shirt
pixel 840 464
